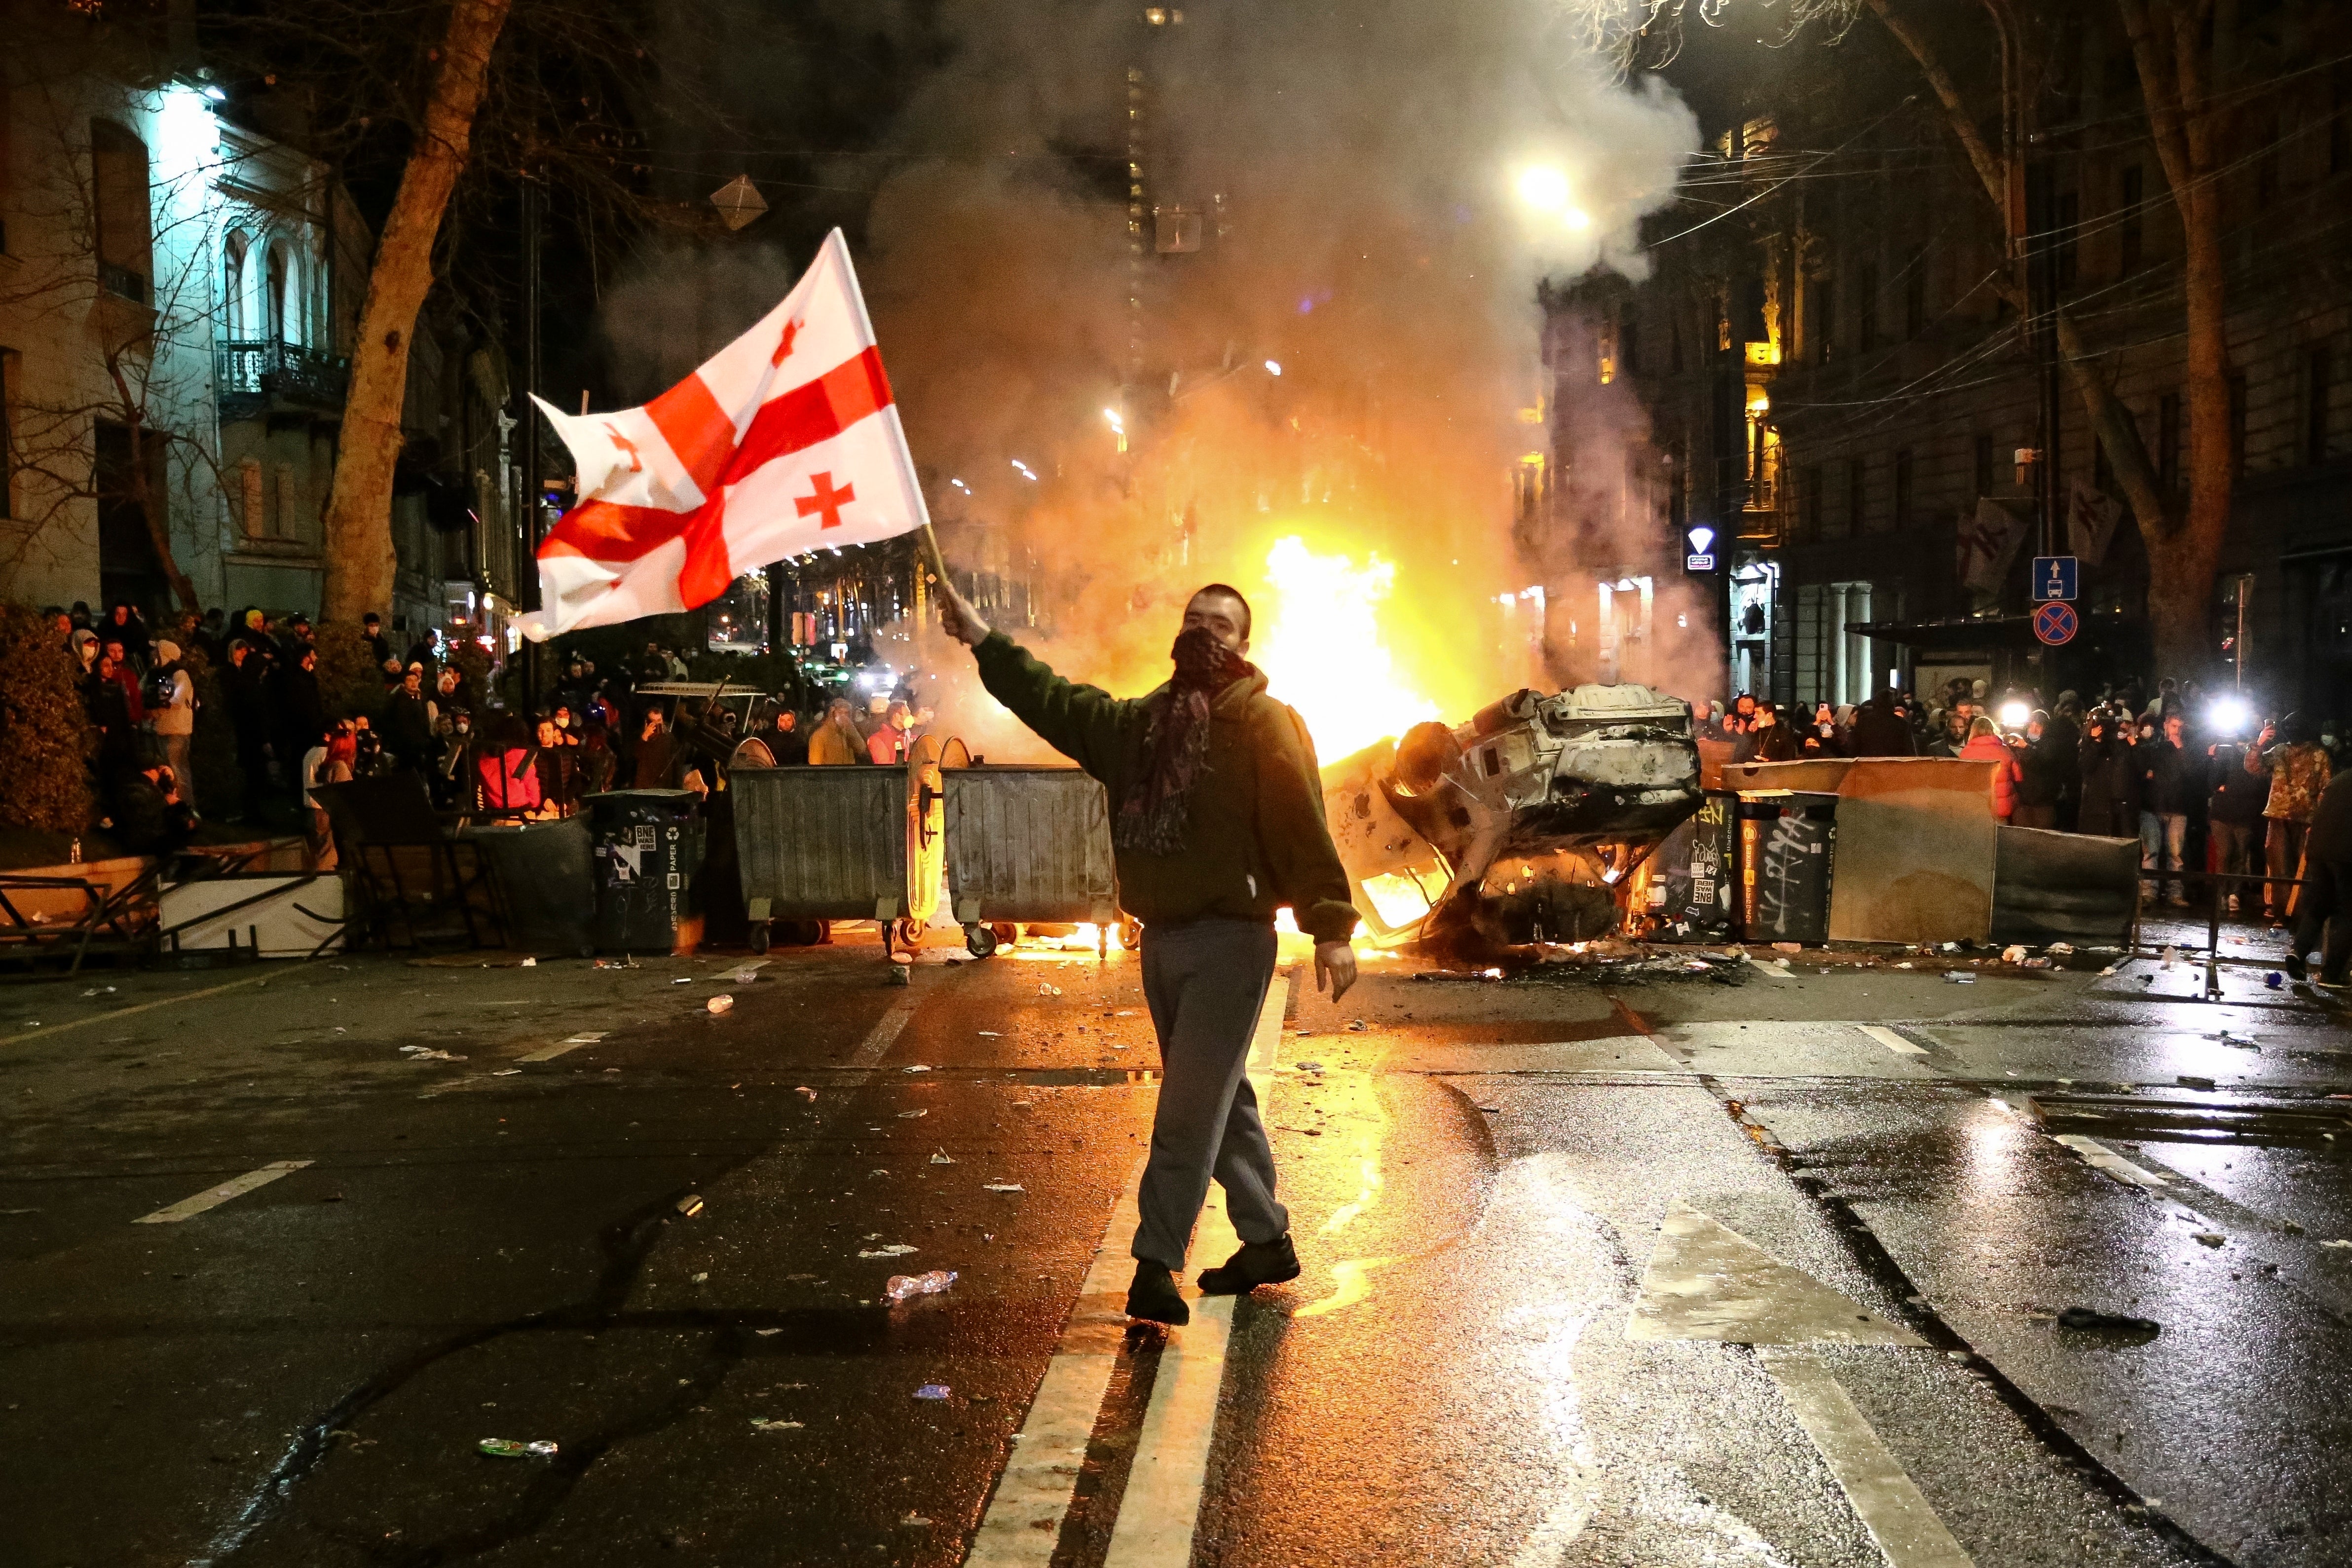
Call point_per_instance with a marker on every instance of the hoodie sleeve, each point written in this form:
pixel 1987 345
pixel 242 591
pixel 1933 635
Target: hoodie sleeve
pixel 1295 839
pixel 1084 724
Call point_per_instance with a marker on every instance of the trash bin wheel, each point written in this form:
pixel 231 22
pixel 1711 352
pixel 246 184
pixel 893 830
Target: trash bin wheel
pixel 759 936
pixel 979 941
pixel 909 933
pixel 1131 935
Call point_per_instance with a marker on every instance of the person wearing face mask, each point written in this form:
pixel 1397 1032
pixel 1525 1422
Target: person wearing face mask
pixel 1216 822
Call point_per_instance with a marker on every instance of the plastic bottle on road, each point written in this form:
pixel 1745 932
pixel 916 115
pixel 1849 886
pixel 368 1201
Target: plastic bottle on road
pixel 902 1285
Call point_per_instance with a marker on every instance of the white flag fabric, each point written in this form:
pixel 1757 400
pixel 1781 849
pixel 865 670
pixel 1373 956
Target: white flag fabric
pixel 1987 542
pixel 787 441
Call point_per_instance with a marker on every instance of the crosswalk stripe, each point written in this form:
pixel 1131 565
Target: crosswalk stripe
pixel 213 1198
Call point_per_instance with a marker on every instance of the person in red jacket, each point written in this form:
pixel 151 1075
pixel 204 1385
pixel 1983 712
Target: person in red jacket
pixel 1984 745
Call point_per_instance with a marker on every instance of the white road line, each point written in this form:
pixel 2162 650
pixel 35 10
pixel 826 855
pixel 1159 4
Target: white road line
pixel 2100 1157
pixel 1162 1499
pixel 213 1198
pixel 1891 1041
pixel 548 1053
pixel 1886 1499
pixel 1024 1521
pixel 886 1031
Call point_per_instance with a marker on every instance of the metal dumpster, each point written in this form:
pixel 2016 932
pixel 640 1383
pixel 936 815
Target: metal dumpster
pixel 850 843
pixel 546 882
pixel 1027 844
pixel 1788 850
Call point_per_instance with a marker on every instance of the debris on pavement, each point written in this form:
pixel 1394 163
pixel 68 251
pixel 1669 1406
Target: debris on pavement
pixel 1003 1187
pixel 1356 1026
pixel 918 1069
pixel 618 963
pixel 2207 1237
pixel 916 1521
pixel 690 1204
pixel 2275 980
pixel 683 980
pixel 2336 1243
pixel 803 1089
pixel 508 1449
pixel 1047 988
pixel 2013 954
pixel 426 1053
pixel 2060 949
pixel 932 1391
pixel 721 1004
pixel 529 963
pixel 911 1115
pixel 2171 955
pixel 940 1158
pixel 2190 1080
pixel 1960 977
pixel 895 1249
pixel 505 1072
pixel 902 1287
pixel 2092 1319
pixel 703 1278
pixel 761 1423
pixel 2243 1042
pixel 901 975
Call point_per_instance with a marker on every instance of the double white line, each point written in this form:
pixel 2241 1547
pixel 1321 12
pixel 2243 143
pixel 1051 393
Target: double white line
pixel 1163 1500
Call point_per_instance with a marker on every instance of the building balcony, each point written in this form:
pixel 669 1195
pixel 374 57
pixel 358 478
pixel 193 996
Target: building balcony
pixel 258 379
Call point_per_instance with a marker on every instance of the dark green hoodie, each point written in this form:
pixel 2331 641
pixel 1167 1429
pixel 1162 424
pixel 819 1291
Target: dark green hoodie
pixel 1257 840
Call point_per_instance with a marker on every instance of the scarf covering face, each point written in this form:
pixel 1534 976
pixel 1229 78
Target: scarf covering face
pixel 1158 809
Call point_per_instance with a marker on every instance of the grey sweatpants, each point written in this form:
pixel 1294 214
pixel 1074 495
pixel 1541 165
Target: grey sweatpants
pixel 1205 982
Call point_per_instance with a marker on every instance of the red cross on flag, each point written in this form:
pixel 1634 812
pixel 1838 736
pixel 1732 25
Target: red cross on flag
pixel 785 442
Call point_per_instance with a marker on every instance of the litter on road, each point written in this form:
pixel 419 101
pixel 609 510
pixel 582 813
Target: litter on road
pixel 932 1391
pixel 903 1285
pixel 805 1089
pixel 690 1204
pixel 1003 1187
pixel 761 1424
pixel 508 1449
pixel 2208 1237
pixel 895 1249
pixel 2092 1319
pixel 721 1004
pixel 940 1158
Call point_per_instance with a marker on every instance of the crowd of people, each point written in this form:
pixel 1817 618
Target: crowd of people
pixel 2202 782
pixel 479 757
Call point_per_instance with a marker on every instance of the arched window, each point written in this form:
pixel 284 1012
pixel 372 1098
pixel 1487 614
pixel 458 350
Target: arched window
pixel 237 310
pixel 274 295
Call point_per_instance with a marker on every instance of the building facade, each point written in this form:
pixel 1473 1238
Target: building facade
pixel 178 293
pixel 1847 400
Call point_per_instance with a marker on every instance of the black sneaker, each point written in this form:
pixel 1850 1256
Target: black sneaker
pixel 2294 966
pixel 1257 1263
pixel 1154 1295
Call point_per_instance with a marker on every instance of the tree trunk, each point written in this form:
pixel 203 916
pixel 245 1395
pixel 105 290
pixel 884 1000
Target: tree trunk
pixel 2184 544
pixel 360 558
pixel 2168 48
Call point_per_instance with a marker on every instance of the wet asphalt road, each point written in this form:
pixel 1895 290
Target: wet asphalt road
pixel 1541 1223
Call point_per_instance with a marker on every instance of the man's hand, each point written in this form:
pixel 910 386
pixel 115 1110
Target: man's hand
pixel 961 621
pixel 1335 967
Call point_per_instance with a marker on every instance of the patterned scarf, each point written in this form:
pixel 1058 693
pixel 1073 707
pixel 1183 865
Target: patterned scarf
pixel 1158 807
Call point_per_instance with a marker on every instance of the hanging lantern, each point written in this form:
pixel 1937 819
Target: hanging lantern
pixel 738 201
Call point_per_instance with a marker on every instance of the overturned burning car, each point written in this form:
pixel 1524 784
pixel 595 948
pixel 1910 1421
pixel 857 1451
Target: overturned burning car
pixel 1523 825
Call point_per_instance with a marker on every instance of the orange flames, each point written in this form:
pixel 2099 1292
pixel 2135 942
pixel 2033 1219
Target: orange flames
pixel 1322 642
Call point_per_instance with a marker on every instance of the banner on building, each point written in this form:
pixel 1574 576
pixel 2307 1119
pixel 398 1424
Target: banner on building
pixel 1988 543
pixel 2091 516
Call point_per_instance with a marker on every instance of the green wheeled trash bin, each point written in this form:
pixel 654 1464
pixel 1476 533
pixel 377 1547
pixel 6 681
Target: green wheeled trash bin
pixel 648 867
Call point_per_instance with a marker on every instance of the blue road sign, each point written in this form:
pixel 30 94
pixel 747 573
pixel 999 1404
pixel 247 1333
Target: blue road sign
pixel 2055 577
pixel 2056 623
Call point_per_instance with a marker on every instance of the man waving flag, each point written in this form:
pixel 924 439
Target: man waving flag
pixel 785 442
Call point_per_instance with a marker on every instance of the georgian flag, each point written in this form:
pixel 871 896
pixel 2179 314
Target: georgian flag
pixel 785 442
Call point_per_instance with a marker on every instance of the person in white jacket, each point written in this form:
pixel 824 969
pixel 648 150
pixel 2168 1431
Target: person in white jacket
pixel 176 721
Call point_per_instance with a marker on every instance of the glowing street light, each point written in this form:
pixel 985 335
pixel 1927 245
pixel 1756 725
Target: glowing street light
pixel 1546 189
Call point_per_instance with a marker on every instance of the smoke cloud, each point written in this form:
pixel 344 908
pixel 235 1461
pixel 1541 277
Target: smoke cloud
pixel 1375 192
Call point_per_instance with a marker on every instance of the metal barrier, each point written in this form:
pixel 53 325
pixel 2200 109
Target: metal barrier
pixel 854 842
pixel 1028 844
